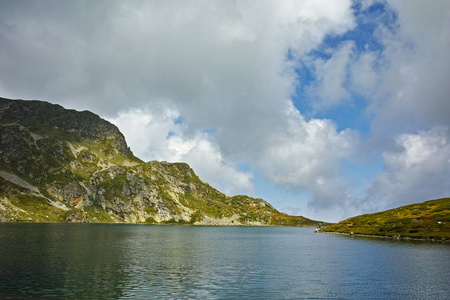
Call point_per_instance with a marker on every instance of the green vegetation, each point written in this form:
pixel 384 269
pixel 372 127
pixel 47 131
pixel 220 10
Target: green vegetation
pixel 94 214
pixel 427 220
pixel 287 220
pixel 196 217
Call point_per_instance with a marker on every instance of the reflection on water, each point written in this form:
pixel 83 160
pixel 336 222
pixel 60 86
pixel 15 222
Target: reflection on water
pixel 59 260
pixel 100 261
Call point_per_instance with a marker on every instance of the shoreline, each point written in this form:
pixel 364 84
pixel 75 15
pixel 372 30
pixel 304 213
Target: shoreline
pixel 391 237
pixel 161 224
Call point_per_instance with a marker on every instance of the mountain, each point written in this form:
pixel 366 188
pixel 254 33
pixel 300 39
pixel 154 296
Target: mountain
pixel 59 165
pixel 427 220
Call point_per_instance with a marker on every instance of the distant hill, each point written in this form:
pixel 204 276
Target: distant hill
pixel 427 220
pixel 59 165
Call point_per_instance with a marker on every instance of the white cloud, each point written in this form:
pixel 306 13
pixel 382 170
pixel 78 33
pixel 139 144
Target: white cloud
pixel 418 171
pixel 204 156
pixel 331 78
pixel 305 156
pixel 159 134
pixel 147 130
pixel 363 77
pixel 407 82
pixel 208 57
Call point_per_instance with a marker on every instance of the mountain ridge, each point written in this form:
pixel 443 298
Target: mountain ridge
pixel 60 165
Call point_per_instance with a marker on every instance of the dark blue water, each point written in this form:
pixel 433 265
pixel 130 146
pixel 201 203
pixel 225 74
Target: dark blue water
pixel 99 261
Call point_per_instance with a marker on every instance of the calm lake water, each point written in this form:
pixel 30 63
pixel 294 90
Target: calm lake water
pixel 104 261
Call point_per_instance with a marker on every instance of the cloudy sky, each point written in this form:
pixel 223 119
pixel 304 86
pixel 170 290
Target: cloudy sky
pixel 325 109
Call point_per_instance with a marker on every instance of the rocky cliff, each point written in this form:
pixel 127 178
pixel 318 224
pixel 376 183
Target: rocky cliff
pixel 59 165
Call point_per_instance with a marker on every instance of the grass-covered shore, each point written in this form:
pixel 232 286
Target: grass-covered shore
pixel 429 220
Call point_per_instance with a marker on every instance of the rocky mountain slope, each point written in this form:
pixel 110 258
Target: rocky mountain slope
pixel 427 220
pixel 59 165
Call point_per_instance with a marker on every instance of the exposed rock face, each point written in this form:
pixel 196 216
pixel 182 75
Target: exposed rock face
pixel 59 165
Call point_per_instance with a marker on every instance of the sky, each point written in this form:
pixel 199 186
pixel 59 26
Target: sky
pixel 325 109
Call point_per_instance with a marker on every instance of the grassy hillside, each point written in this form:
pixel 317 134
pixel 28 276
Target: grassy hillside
pixel 427 220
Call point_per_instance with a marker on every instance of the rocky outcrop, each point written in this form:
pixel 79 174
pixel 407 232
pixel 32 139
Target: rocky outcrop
pixel 61 165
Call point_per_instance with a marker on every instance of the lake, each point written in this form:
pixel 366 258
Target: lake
pixel 118 261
